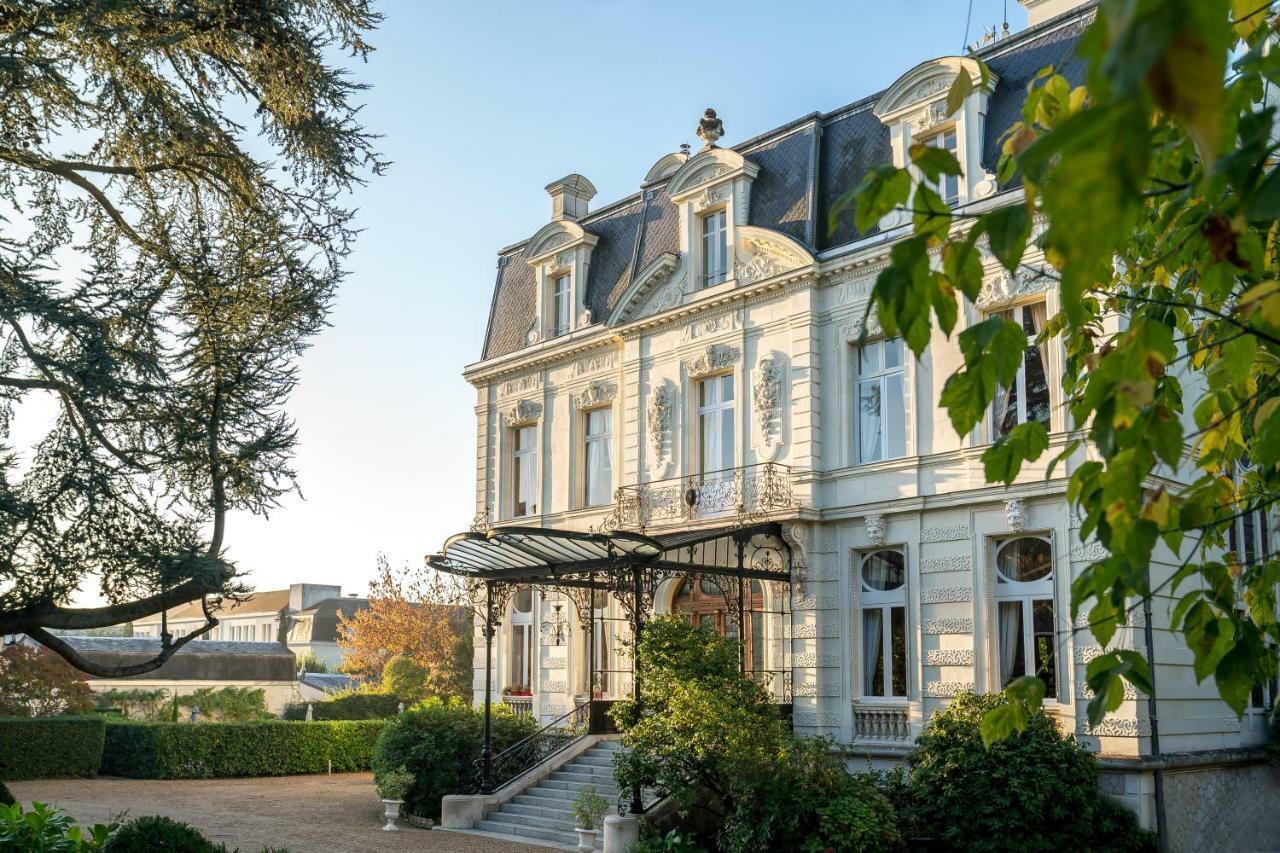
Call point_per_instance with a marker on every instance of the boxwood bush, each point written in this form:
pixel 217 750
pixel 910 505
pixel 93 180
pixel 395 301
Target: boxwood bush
pixel 50 747
pixel 155 832
pixel 352 706
pixel 438 742
pixel 216 750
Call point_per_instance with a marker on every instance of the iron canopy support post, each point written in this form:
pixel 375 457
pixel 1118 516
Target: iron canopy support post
pixel 637 616
pixel 486 748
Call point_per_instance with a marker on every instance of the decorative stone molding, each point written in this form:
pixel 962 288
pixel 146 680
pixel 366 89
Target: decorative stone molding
pixel 815 602
pixel 1085 654
pixel 854 330
pixel 762 254
pixel 953 563
pixel 960 625
pixel 812 660
pixel 949 657
pixel 594 364
pixel 815 719
pixel 875 526
pixel 555 687
pixel 1089 552
pixel 1085 692
pixel 945 689
pixel 521 412
pixel 1115 727
pixel 811 632
pixel 1006 287
pixel 947 595
pixel 658 427
pixel 853 287
pixel 1015 513
pixel 714 358
pixel 596 393
pixel 1135 618
pixel 945 533
pixel 729 322
pixel 821 688
pixel 635 300
pixel 520 385
pixel 554 663
pixel 766 401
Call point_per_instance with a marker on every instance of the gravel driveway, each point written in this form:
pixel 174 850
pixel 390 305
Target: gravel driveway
pixel 339 813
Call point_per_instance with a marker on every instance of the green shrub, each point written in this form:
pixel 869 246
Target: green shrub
pixel 154 833
pixel 50 747
pixel 438 742
pixel 1037 787
pixel 351 706
pixel 403 676
pixel 393 784
pixel 674 841
pixel 6 798
pixel 154 705
pixel 226 704
pixel 48 830
pixel 217 750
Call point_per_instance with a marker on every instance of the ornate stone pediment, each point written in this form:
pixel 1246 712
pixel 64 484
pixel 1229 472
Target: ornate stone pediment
pixel 714 358
pixel 707 169
pixel 855 329
pixel 761 254
pixel 554 243
pixel 596 393
pixel 925 85
pixel 656 288
pixel 521 412
pixel 1007 287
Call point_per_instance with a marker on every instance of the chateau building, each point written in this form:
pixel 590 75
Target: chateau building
pixel 700 355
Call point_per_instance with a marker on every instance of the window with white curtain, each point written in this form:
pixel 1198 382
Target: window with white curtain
pixel 947 186
pixel 715 248
pixel 883 602
pixel 524 490
pixel 1025 629
pixel 881 431
pixel 520 674
pixel 715 424
pixel 561 306
pixel 1028 398
pixel 600 663
pixel 598 456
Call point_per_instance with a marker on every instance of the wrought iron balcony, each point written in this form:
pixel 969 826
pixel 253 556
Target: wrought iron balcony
pixel 745 494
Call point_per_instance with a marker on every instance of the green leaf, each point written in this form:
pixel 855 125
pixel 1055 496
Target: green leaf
pixel 1008 230
pixel 883 189
pixel 960 89
pixel 998 724
pixel 930 215
pixel 1024 443
pixel 962 264
pixel 933 161
pixel 1235 679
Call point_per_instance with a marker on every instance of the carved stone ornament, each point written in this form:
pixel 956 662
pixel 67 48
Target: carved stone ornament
pixel 766 398
pixel 986 186
pixel 710 197
pixel 875 529
pixel 854 330
pixel 658 424
pixel 521 412
pixel 1015 512
pixel 715 357
pixel 710 129
pixel 931 116
pixel 532 337
pixel 596 393
pixel 765 260
pixel 1007 286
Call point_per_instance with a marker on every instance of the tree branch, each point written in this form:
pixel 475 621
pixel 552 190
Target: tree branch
pixel 168 648
pixel 52 617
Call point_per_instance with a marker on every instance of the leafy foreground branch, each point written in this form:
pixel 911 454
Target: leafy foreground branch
pixel 162 268
pixel 1150 193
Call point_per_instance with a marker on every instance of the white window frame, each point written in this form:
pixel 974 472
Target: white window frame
pixel 713 238
pixel 947 186
pixel 519 456
pixel 880 376
pixel 561 307
pixel 1027 593
pixel 605 455
pixel 885 601
pixel 718 410
pixel 521 630
pixel 1020 380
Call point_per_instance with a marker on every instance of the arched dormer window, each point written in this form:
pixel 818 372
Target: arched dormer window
pixel 914 109
pixel 560 254
pixel 712 191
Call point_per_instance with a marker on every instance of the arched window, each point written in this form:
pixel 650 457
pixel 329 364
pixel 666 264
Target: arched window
pixel 520 674
pixel 705 603
pixel 1024 611
pixel 883 579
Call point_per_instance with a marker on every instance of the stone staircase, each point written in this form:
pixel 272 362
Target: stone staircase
pixel 543 812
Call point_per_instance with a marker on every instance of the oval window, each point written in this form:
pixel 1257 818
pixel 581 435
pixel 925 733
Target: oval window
pixel 1024 560
pixel 523 601
pixel 883 571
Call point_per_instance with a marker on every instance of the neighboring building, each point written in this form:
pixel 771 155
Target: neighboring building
pixel 304 617
pixel 315 686
pixel 695 353
pixel 201 663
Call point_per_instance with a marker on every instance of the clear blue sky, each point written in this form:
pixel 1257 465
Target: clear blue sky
pixel 481 104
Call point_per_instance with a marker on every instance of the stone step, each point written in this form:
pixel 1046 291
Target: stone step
pixel 603 760
pixel 528 832
pixel 588 769
pixel 581 777
pixel 561 811
pixel 532 799
pixel 506 817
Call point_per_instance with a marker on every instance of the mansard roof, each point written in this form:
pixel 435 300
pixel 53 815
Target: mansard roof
pixel 805 167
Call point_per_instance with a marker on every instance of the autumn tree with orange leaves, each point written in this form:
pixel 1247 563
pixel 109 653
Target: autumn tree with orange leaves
pixel 411 613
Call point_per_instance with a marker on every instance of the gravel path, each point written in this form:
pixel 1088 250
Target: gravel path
pixel 338 813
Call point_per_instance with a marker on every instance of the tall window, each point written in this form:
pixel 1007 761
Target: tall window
pixel 520 676
pixel 947 186
pixel 524 489
pixel 1028 398
pixel 1247 538
pixel 882 427
pixel 706 602
pixel 561 305
pixel 715 248
pixel 1024 611
pixel 715 424
pixel 598 441
pixel 883 576
pixel 599 654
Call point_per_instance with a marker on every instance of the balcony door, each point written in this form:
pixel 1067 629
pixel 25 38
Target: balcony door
pixel 715 425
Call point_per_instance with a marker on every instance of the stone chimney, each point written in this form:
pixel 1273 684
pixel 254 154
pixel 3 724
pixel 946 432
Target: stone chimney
pixel 569 197
pixel 305 595
pixel 1042 10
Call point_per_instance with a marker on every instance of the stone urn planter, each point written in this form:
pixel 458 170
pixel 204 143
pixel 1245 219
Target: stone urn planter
pixel 393 786
pixel 588 811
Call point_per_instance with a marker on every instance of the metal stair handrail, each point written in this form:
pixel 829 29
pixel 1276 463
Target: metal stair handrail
pixel 522 756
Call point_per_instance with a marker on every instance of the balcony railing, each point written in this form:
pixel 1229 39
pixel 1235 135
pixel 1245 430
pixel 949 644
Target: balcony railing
pixel 734 493
pixel 521 705
pixel 881 723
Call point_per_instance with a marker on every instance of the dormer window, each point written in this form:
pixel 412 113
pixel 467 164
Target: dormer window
pixel 715 248
pixel 947 186
pixel 561 306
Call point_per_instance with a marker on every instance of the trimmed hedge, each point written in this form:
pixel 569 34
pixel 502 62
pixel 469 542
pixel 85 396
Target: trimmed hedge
pixel 354 706
pixel 217 750
pixel 50 747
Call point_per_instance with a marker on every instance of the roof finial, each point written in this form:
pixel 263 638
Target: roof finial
pixel 710 129
pixel 684 148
